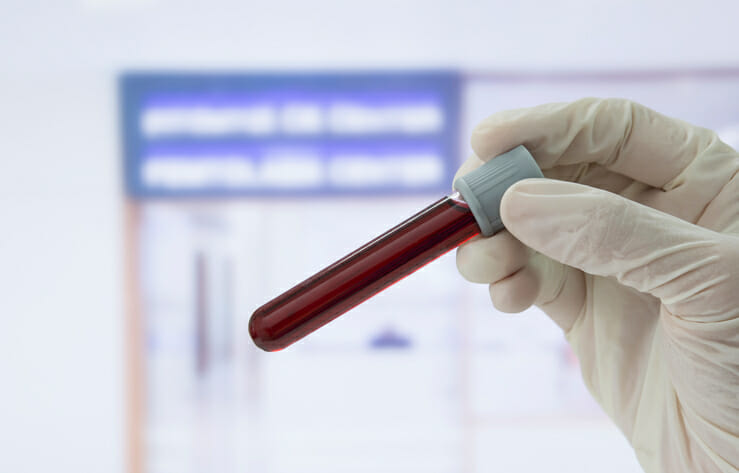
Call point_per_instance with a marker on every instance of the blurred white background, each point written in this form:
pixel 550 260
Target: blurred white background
pixel 62 391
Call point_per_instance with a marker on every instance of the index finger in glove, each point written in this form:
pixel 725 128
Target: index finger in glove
pixel 623 136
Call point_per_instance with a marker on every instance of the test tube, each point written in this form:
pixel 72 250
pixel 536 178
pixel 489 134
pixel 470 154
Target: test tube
pixel 444 225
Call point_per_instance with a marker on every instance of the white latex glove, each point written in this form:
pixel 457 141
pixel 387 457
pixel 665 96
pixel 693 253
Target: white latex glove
pixel 638 264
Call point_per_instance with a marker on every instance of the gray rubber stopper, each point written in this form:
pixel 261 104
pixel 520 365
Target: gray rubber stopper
pixel 484 187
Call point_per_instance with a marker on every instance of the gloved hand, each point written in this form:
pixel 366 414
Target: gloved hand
pixel 638 263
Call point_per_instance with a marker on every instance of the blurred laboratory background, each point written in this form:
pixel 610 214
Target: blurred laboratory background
pixel 167 167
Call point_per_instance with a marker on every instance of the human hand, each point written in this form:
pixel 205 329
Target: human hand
pixel 632 247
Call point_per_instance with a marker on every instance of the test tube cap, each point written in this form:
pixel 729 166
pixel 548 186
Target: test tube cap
pixel 484 187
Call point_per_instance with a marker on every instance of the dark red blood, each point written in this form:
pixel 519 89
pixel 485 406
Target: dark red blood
pixel 318 300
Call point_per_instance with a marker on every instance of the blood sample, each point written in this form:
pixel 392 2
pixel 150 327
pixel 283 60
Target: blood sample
pixel 433 231
pixel 422 238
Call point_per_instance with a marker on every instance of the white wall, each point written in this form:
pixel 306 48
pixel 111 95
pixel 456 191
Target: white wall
pixel 61 327
pixel 104 35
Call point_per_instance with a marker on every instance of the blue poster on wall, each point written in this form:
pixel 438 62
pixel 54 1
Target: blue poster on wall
pixel 268 134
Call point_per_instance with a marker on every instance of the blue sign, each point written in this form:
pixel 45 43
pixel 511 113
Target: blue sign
pixel 222 135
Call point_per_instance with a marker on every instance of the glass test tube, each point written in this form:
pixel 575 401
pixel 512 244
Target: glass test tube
pixel 430 233
pixel 400 251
